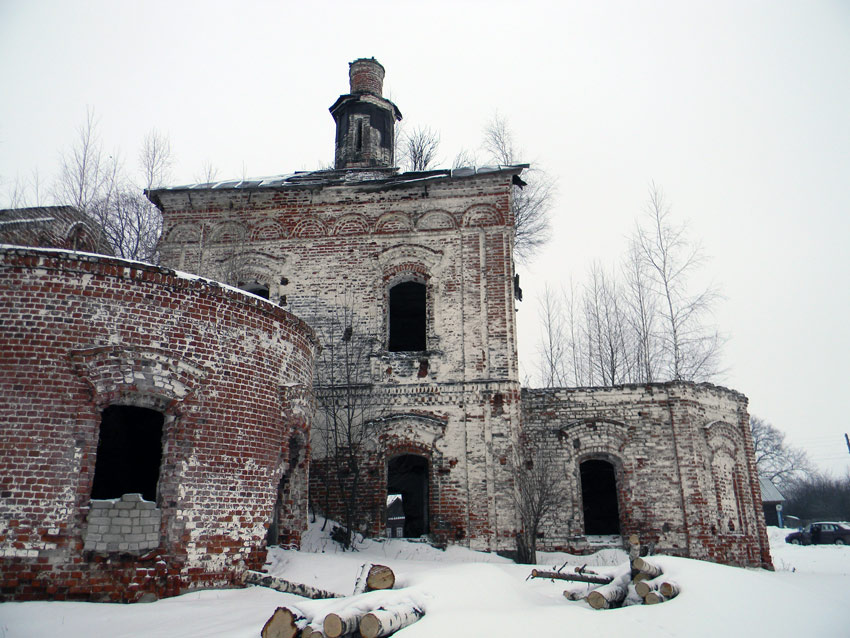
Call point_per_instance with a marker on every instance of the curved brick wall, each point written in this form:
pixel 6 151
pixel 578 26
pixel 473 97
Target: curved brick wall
pixel 683 457
pixel 230 372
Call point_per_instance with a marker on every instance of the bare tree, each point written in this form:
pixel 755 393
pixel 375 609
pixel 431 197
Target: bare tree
pixel 207 174
pixel 131 223
pixel 96 184
pixel 539 492
pixel 691 348
pixel 85 173
pixel 819 497
pixel 419 148
pixel 606 328
pixel 464 158
pixel 777 461
pixel 532 199
pixel 642 313
pixel 346 412
pixel 554 341
pixel 155 159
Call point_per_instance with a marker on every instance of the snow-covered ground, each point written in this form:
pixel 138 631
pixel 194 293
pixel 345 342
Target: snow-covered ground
pixel 466 594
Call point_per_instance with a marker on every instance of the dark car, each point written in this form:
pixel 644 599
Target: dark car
pixel 825 533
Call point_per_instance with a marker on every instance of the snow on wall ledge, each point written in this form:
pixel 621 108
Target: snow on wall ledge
pixel 231 375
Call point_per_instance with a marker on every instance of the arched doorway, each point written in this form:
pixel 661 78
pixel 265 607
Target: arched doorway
pixel 407 478
pixel 599 497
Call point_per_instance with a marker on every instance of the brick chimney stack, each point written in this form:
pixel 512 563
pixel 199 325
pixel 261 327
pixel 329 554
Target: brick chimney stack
pixel 365 121
pixel 366 75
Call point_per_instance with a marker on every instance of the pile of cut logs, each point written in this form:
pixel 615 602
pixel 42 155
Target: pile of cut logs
pixel 385 620
pixel 639 575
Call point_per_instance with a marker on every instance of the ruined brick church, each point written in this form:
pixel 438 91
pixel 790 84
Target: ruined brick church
pixel 387 302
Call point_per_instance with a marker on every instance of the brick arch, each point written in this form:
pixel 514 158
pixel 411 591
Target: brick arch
pixel 393 222
pixel 267 230
pixel 482 215
pixel 436 220
pixel 720 434
pixel 310 227
pixel 725 446
pixel 182 233
pixel 80 237
pixel 351 224
pixel 228 231
pixel 410 430
pixel 592 434
pixel 148 377
pixel 409 256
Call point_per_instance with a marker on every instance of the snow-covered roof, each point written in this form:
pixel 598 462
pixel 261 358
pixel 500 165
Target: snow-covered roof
pixel 769 493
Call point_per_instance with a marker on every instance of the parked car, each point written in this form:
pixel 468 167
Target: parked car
pixel 822 533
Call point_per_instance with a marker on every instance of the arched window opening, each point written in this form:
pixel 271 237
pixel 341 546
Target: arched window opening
pixel 256 288
pixel 599 497
pixel 129 452
pixel 407 317
pixel 407 495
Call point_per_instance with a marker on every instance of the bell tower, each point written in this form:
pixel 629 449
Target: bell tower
pixel 365 121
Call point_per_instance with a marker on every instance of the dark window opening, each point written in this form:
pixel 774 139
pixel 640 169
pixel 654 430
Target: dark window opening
pixel 129 452
pixel 407 317
pixel 407 477
pixel 599 498
pixel 256 288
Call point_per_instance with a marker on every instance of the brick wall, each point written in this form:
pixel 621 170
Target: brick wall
pixel 231 373
pixel 683 459
pixel 329 248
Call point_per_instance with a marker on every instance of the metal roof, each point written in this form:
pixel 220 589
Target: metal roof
pixel 769 493
pixel 361 176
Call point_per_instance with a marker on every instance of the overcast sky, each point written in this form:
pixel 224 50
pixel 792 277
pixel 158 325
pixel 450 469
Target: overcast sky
pixel 740 111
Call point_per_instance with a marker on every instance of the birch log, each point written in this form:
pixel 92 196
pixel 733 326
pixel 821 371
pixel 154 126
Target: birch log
pixel 653 598
pixel 279 584
pixel 647 568
pixel 313 630
pixel 380 577
pixel 669 589
pixel 643 587
pixel 385 621
pixel 281 624
pixel 607 596
pixel 342 623
pixel 360 581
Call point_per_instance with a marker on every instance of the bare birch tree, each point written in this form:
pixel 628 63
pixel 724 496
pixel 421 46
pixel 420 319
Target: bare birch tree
pixel 691 347
pixel 553 340
pixel 532 200
pixel 96 184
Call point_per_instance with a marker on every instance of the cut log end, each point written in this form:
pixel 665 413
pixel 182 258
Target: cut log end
pixel 669 589
pixel 332 626
pixel 380 577
pixel 653 598
pixel 370 627
pixel 280 625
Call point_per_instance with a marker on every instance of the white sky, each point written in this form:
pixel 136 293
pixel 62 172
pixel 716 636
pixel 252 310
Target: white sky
pixel 740 111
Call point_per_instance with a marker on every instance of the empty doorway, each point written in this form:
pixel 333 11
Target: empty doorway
pixel 599 497
pixel 407 476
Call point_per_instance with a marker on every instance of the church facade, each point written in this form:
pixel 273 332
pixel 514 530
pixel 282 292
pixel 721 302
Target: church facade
pixel 416 270
pixel 373 367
